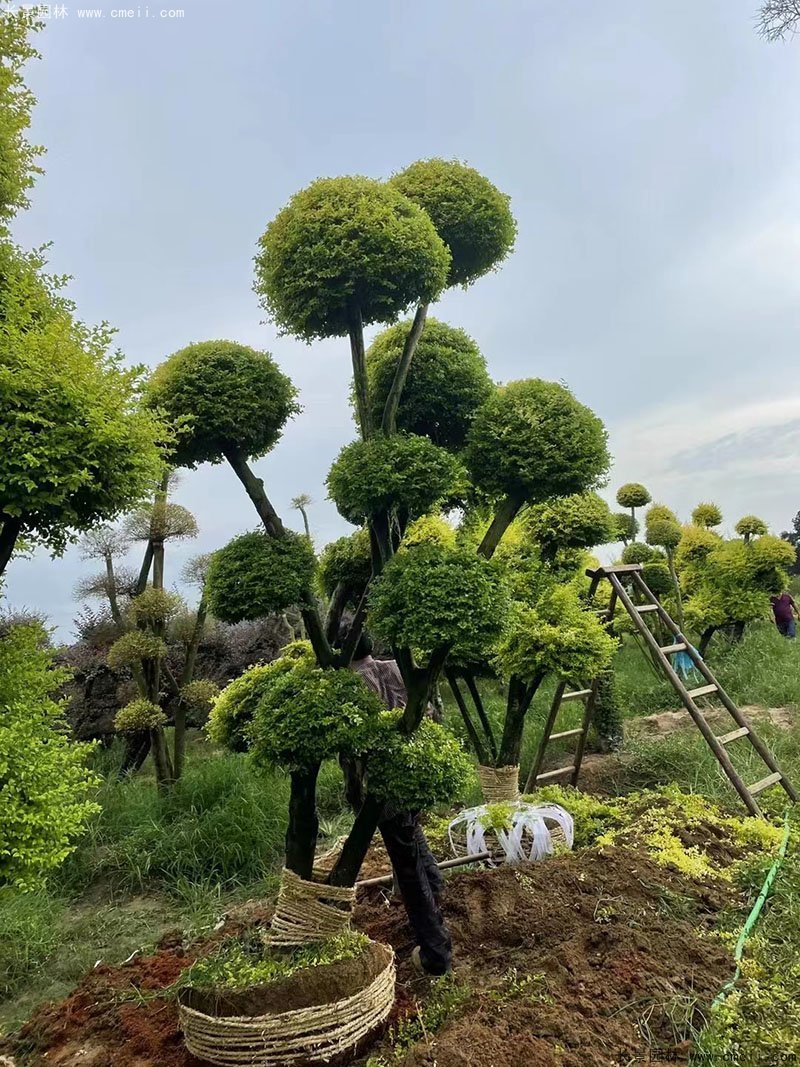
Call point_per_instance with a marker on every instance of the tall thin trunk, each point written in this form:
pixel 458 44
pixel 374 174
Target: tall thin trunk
pixel 111 584
pixel 355 848
pixel 677 586
pixel 481 710
pixel 520 697
pixel 304 513
pixel 9 533
pixel 144 571
pixel 164 776
pixel 506 512
pixel 303 828
pixel 358 357
pixel 389 421
pixel 481 751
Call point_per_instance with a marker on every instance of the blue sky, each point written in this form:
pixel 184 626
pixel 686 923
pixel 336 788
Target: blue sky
pixel 651 151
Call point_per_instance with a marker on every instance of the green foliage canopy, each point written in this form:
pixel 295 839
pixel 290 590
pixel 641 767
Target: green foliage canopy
pixel 401 471
pixel 45 787
pixel 139 714
pixel 471 215
pixel 430 595
pixel 414 772
pixel 256 575
pixel 707 515
pixel 346 561
pixel 344 247
pixel 446 384
pixel 633 495
pixel 221 395
pixel 751 526
pixel 626 526
pixel 19 168
pixel 581 520
pixel 532 440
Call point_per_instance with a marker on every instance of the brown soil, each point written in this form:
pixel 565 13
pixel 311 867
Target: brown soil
pixel 596 925
pixel 669 722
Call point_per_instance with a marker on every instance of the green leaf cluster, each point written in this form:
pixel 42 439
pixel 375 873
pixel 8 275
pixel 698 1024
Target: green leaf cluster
pixel 153 607
pixel 556 636
pixel 446 384
pixel 256 575
pixel 346 561
pixel 662 527
pixel 134 646
pixel 430 595
pixel 199 695
pixel 633 495
pixel 304 714
pixel 45 787
pixel 139 715
pixel 220 396
pixel 625 525
pixel 401 472
pixel 19 167
pixel 751 526
pixel 414 771
pixel 707 515
pixel 533 440
pixel 347 247
pixel 471 215
pixel 581 520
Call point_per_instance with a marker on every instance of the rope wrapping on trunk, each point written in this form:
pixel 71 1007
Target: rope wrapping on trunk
pixel 499 784
pixel 308 912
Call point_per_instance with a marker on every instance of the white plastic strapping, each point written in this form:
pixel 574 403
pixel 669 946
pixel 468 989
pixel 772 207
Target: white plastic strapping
pixel 527 838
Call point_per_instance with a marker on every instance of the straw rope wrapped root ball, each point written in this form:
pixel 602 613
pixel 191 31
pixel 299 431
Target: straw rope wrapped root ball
pixel 308 1007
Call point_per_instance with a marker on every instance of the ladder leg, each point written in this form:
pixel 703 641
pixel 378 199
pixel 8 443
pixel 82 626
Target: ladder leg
pixel 548 729
pixel 588 715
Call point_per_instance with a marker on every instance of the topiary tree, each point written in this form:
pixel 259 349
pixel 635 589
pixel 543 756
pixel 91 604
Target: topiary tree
pixel 302 503
pixel 663 529
pixel 751 526
pixel 582 520
pixel 626 527
pixel 530 441
pixel 257 575
pixel 345 568
pixel 707 516
pixel 45 787
pixel 446 382
pixel 633 495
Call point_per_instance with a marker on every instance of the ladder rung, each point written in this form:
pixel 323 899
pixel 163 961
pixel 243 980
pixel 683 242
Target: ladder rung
pixel 577 694
pixel 703 691
pixel 734 735
pixel 566 733
pixel 680 647
pixel 642 608
pixel 765 783
pixel 555 774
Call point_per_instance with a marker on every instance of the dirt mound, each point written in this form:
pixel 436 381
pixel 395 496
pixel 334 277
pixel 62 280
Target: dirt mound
pixel 622 973
pixel 669 722
pixel 619 943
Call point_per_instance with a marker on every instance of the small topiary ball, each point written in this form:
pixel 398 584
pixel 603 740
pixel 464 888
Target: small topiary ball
pixel 657 577
pixel 416 771
pixel 639 552
pixel 199 695
pixel 664 532
pixel 139 715
pixel 707 515
pixel 430 595
pixel 154 606
pixel 133 646
pixel 582 520
pixel 633 495
pixel 751 526
pixel 255 575
pixel 346 561
pixel 471 215
pixel 533 440
pixel 401 471
pixel 345 246
pixel 446 384
pixel 222 396
pixel 627 527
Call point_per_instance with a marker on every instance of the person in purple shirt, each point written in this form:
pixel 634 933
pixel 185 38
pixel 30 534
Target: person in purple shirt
pixel 785 611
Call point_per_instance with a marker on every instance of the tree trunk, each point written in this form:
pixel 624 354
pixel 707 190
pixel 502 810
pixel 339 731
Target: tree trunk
pixel 506 513
pixel 677 586
pixel 705 639
pixel 474 736
pixel 111 579
pixel 336 607
pixel 358 357
pixel 389 421
pixel 144 571
pixel 478 701
pixel 303 828
pixel 164 776
pixel 355 848
pixel 9 533
pixel 519 700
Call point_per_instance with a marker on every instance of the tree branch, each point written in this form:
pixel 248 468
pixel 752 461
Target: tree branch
pixel 389 421
pixel 8 539
pixel 506 512
pixel 360 372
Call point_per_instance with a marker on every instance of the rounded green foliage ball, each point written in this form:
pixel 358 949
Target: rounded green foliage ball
pixel 533 440
pixel 696 544
pixel 639 552
pixel 255 575
pixel 154 606
pixel 139 715
pixel 471 215
pixel 446 384
pixel 199 695
pixel 401 471
pixel 345 246
pixel 416 771
pixel 633 495
pixel 346 561
pixel 222 396
pixel 581 520
pixel 657 577
pixel 305 714
pixel 751 526
pixel 663 532
pixel 707 515
pixel 626 526
pixel 133 646
pixel 431 595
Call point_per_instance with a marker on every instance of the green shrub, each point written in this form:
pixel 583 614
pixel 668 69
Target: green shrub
pixel 533 440
pixel 255 575
pixel 633 495
pixel 222 395
pixel 45 786
pixel 639 552
pixel 377 252
pixel 446 384
pixel 706 515
pixel 153 607
pixel 348 561
pixel 751 526
pixel 625 525
pixel 417 771
pixel 582 520
pixel 133 646
pixel 470 214
pixel 403 472
pixel 139 715
pixel 430 595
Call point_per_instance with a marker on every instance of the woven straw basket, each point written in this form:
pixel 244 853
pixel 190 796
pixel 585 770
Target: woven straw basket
pixel 499 784
pixel 314 1033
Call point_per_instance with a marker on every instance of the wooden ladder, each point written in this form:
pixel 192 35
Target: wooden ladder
pixel 689 697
